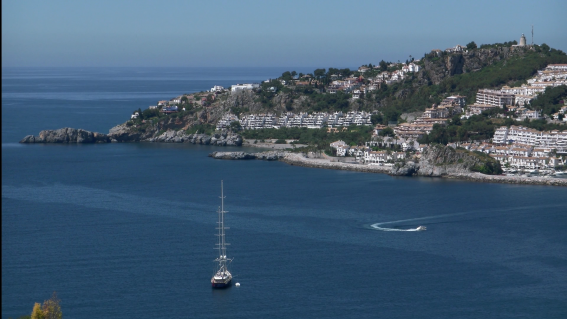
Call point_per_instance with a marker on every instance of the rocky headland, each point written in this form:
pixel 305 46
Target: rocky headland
pixel 119 135
pixel 439 160
pixel 67 135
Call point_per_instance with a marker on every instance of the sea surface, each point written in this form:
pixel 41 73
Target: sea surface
pixel 128 230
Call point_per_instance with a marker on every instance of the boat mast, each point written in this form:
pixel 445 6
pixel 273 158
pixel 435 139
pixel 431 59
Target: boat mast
pixel 222 243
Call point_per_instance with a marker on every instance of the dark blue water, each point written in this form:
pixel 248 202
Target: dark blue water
pixel 127 230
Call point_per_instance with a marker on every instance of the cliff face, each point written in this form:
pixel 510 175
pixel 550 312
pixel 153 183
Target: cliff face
pixel 437 68
pixel 250 100
pixel 443 160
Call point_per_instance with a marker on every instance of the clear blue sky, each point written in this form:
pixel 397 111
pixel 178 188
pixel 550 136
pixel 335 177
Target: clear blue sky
pixel 262 33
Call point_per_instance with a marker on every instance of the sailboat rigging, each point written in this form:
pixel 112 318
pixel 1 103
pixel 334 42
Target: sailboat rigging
pixel 222 278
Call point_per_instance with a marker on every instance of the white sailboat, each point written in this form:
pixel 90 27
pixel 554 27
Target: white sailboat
pixel 222 278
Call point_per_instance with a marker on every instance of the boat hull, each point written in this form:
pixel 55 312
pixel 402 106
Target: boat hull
pixel 221 284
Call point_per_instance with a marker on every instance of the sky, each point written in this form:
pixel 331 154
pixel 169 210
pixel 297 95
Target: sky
pixel 251 33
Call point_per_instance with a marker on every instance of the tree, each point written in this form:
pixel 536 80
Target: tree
pixel 388 131
pixel 293 73
pixel 383 65
pixel 471 45
pixel 287 76
pixel 37 313
pixel 376 119
pixel 333 71
pixel 545 48
pixel 235 126
pixel 319 73
pixel 51 308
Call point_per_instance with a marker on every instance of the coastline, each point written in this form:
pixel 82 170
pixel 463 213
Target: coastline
pixel 298 159
pixel 269 145
pixel 280 152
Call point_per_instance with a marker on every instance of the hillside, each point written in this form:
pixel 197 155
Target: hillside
pixel 442 74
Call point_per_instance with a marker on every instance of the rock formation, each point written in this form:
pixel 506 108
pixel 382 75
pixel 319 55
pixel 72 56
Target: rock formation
pixel 220 139
pixel 67 135
pixel 267 156
pixel 117 134
pixel 439 160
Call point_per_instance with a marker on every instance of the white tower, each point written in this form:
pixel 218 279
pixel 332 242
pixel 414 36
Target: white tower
pixel 523 40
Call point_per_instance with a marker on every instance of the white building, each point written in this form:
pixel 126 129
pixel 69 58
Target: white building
pixel 558 67
pixel 217 88
pixel 530 137
pixel 247 86
pixel 494 98
pixel 225 121
pixel 341 147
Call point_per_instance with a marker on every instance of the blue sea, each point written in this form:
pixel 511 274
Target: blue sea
pixel 128 230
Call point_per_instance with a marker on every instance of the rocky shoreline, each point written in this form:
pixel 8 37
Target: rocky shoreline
pixel 435 162
pixel 299 159
pixel 116 135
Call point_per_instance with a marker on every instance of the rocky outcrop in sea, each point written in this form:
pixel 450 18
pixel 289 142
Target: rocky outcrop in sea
pixel 116 135
pixel 67 135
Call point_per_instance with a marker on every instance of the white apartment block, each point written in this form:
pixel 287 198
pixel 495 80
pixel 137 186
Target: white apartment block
pixel 558 67
pixel 494 98
pixel 523 135
pixel 225 121
pixel 247 86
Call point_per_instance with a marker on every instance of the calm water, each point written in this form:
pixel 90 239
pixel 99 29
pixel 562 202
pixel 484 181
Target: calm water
pixel 127 230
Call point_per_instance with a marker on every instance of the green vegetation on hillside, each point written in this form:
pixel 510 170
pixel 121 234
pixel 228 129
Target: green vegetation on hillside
pixel 414 93
pixel 489 165
pixel 513 71
pixel 540 125
pixel 330 102
pixel 480 127
pixel 477 127
pixel 551 100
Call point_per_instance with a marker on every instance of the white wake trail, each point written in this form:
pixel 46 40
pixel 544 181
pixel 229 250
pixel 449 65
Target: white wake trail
pixel 378 226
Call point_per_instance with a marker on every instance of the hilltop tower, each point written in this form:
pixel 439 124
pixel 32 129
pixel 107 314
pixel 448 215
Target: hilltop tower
pixel 523 40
